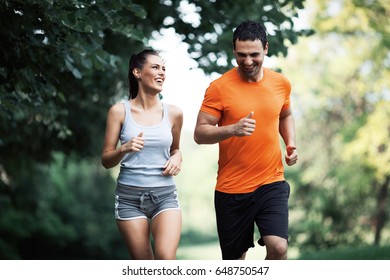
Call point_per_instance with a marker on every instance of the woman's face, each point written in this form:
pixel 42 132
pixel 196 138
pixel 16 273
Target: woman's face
pixel 152 75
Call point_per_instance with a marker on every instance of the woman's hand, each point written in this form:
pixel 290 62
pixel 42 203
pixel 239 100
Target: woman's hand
pixel 173 165
pixel 136 144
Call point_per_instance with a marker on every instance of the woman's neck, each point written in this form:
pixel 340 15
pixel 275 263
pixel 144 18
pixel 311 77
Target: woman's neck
pixel 145 101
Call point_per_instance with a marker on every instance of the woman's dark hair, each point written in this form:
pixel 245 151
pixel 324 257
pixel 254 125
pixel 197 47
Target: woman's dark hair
pixel 250 30
pixel 137 61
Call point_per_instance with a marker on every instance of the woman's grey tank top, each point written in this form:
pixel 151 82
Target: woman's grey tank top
pixel 144 168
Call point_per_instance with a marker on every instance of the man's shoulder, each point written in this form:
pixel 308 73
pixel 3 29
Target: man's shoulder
pixel 276 77
pixel 229 76
pixel 275 74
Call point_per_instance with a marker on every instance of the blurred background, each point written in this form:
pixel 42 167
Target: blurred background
pixel 64 63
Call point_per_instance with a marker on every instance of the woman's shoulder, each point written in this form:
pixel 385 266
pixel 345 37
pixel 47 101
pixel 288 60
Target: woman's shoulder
pixel 117 110
pixel 175 110
pixel 175 114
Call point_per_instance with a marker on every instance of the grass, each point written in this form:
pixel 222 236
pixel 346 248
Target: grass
pixel 211 251
pixel 360 253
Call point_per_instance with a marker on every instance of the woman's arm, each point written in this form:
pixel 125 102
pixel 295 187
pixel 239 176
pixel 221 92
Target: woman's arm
pixel 112 155
pixel 173 165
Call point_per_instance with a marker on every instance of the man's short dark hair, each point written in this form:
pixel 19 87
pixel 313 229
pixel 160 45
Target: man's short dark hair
pixel 250 30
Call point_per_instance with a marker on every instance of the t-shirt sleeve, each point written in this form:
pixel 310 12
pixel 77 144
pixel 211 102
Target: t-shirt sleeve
pixel 212 101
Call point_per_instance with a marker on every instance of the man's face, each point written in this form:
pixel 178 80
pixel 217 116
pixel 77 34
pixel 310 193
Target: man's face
pixel 250 57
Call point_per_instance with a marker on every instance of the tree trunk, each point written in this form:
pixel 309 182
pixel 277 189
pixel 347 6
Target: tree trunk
pixel 381 215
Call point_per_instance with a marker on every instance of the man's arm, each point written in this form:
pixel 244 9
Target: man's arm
pixel 287 131
pixel 207 131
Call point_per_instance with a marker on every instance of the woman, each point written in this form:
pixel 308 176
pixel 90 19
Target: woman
pixel 146 200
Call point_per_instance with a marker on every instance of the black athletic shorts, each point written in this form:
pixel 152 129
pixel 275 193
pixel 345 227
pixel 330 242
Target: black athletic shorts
pixel 236 215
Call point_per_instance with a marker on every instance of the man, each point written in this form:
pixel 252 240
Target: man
pixel 244 111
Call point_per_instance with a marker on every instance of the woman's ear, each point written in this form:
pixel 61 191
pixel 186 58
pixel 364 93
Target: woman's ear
pixel 137 73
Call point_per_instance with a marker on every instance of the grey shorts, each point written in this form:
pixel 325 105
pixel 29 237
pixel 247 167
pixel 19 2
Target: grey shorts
pixel 144 203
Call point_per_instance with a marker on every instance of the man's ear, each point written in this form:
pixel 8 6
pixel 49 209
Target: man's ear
pixel 266 49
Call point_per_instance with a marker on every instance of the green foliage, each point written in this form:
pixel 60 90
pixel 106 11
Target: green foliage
pixel 62 64
pixel 360 253
pixel 61 211
pixel 65 61
pixel 342 98
pixel 52 66
pixel 210 37
pixel 371 145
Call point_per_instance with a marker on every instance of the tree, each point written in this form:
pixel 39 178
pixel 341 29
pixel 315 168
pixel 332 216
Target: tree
pixel 60 211
pixel 343 96
pixel 371 149
pixel 63 63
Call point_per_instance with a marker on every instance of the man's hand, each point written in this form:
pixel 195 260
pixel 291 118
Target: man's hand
pixel 292 155
pixel 245 126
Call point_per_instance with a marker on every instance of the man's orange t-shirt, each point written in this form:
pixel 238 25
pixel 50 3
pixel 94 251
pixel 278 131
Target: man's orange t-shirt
pixel 246 163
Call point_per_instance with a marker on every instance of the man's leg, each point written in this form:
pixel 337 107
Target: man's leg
pixel 276 247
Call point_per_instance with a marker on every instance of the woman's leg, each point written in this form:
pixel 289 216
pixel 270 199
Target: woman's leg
pixel 136 234
pixel 166 230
